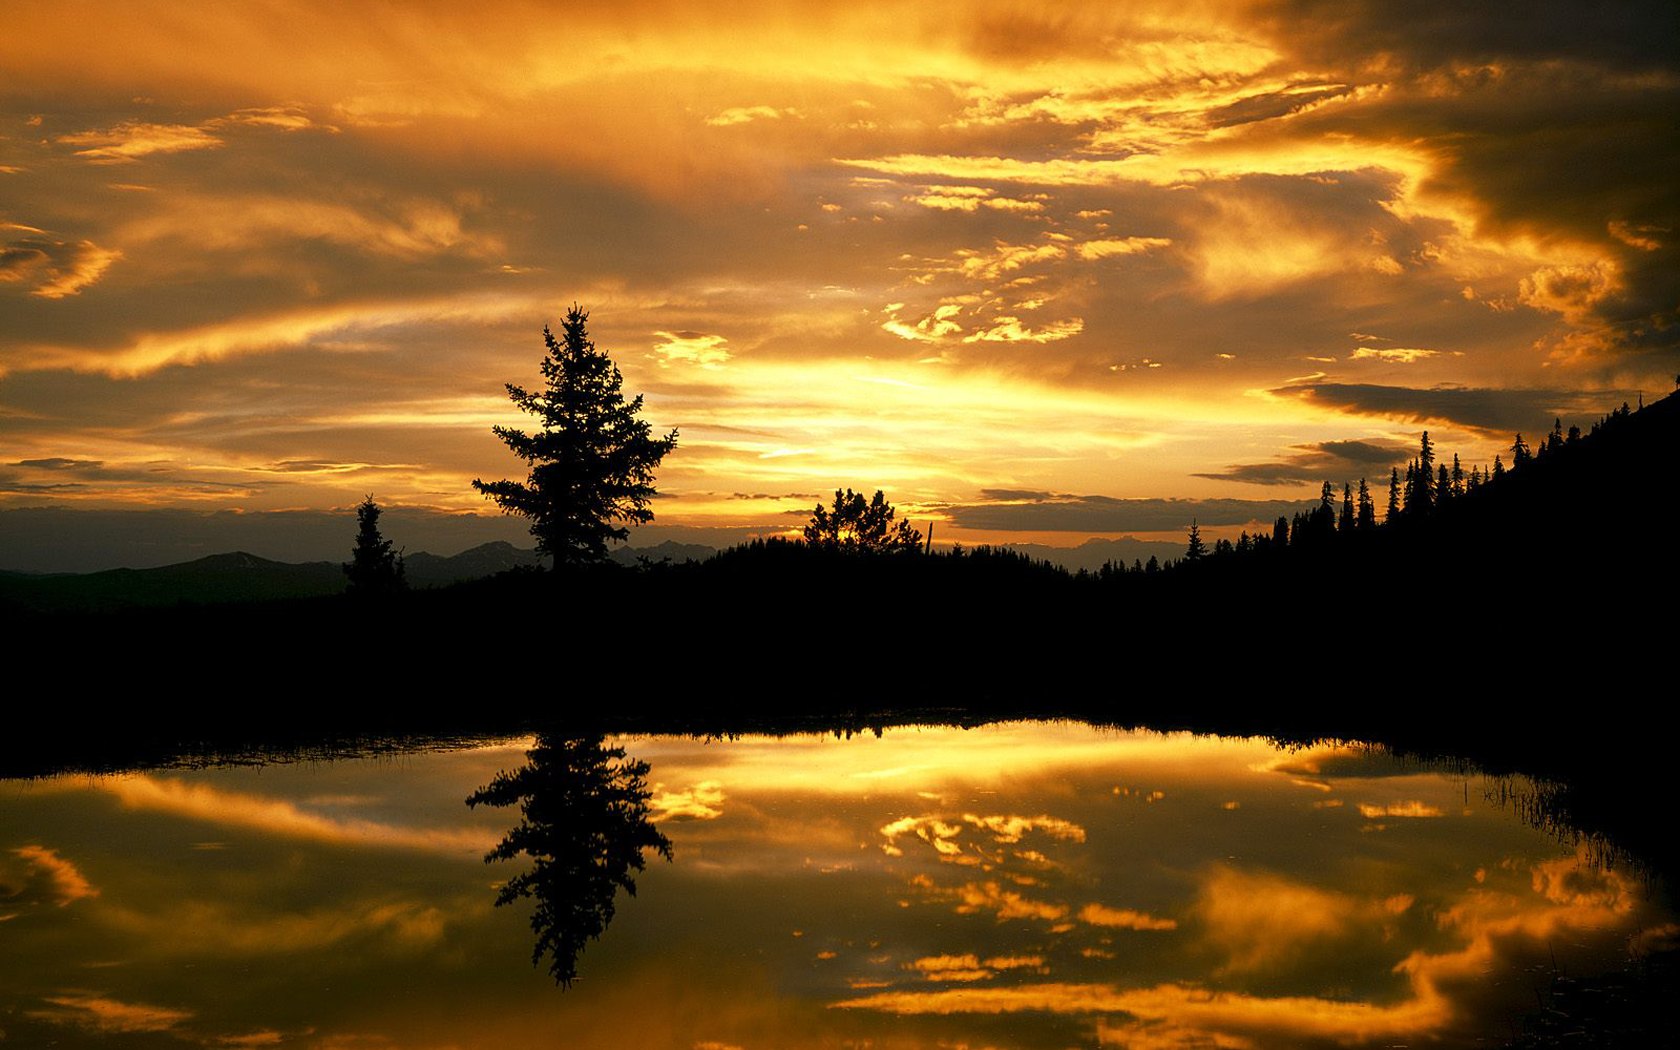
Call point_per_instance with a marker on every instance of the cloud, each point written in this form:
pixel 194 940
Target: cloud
pixel 1011 829
pixel 969 968
pixel 1412 809
pixel 53 269
pixel 702 801
pixel 106 1016
pixel 1011 330
pixel 133 140
pixel 1197 1015
pixel 1106 514
pixel 1123 918
pixel 192 928
pixel 1393 355
pixel 1488 409
pixel 988 896
pixel 45 878
pixel 693 348
pixel 971 199
pixel 1002 830
pixel 1103 249
pixel 1321 461
pixel 747 114
pixel 962 968
pixel 276 817
pixel 1262 922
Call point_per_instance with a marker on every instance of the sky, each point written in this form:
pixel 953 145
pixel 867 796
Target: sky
pixel 1038 273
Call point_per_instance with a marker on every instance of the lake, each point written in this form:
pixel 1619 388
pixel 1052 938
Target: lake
pixel 1013 885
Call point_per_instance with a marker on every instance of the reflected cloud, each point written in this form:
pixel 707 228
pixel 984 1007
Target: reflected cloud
pixel 202 802
pixel 1263 922
pixel 46 878
pixel 702 801
pixel 105 1016
pixel 943 834
pixel 1409 809
pixel 975 897
pixel 195 928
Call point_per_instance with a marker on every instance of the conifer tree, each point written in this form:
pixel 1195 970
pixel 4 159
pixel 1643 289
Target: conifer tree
pixel 1345 523
pixel 1420 493
pixel 1367 515
pixel 592 463
pixel 1392 514
pixel 1196 550
pixel 374 568
pixel 1520 454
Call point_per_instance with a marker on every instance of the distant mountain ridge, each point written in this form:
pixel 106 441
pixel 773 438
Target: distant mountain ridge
pixel 239 576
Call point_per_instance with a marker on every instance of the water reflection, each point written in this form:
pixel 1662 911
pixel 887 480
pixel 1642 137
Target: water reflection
pixel 584 824
pixel 1020 886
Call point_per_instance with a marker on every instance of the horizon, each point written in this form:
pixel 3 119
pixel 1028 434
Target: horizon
pixel 1041 277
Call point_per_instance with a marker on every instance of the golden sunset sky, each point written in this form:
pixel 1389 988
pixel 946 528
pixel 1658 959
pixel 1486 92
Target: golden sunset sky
pixel 1031 269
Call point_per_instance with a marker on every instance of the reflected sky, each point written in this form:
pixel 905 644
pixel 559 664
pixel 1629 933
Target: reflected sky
pixel 1025 885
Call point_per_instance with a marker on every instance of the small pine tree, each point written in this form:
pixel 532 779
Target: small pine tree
pixel 374 568
pixel 1196 550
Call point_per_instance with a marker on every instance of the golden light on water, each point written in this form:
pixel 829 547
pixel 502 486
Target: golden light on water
pixel 1034 884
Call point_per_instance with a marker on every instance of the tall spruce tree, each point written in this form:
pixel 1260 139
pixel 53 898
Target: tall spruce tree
pixel 1366 518
pixel 591 463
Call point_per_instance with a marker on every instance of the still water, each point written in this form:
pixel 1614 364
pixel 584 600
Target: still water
pixel 1016 885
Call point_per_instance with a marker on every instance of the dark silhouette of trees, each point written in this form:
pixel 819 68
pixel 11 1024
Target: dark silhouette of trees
pixel 1520 454
pixel 374 568
pixel 584 823
pixel 857 527
pixel 591 463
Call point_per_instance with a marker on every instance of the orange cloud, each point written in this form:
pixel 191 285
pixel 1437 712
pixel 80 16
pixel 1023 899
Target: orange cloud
pixel 275 817
pixel 49 877
pixel 1123 918
pixel 107 1016
pixel 135 139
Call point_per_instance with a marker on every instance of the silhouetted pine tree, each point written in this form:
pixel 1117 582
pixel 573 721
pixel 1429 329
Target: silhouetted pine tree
pixel 1345 523
pixel 1196 550
pixel 1367 513
pixel 374 568
pixel 1520 454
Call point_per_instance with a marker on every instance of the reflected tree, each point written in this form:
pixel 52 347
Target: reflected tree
pixel 586 828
